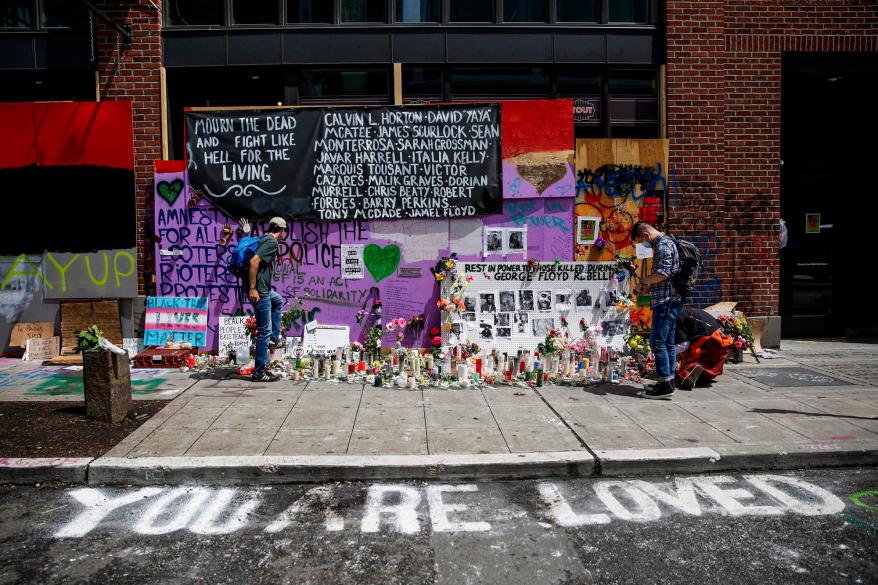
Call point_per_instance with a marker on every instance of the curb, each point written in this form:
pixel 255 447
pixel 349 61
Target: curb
pixel 619 462
pixel 272 470
pixel 37 470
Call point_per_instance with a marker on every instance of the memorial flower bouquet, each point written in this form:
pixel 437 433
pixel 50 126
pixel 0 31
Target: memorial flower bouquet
pixel 582 346
pixel 251 328
pixel 373 341
pixel 399 324
pixel 445 267
pixel 739 330
pixel 554 342
pixel 295 311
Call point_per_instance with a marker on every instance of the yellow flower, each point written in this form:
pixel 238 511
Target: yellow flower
pixel 449 264
pixel 447 326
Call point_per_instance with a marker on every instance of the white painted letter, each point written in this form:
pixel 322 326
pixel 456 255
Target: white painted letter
pixel 405 517
pixel 562 513
pixel 684 499
pixel 439 510
pixel 826 502
pixel 206 521
pixel 317 496
pixel 728 498
pixel 648 510
pixel 99 506
pixel 180 518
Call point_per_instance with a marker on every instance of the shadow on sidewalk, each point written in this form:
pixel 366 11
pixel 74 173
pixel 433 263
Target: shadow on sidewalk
pixel 782 411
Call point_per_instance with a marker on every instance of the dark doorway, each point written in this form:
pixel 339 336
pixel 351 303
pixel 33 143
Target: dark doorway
pixel 828 195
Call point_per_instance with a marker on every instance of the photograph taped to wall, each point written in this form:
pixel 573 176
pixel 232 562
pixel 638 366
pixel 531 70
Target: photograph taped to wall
pixel 544 300
pixel 468 316
pixel 562 299
pixel 587 229
pixel 542 326
pixel 487 303
pixel 501 319
pixel 504 332
pixel 486 330
pixel 507 300
pixel 521 321
pixel 583 299
pixel 493 241
pixel 469 303
pixel 525 300
pixel 516 240
pixel 613 327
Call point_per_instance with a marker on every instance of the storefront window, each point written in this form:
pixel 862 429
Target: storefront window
pixel 577 11
pixel 472 11
pixel 364 10
pixel 309 11
pixel 525 10
pixel 417 10
pixel 630 11
pixel 16 14
pixel 421 82
pixel 577 82
pixel 499 83
pixel 64 14
pixel 249 12
pixel 633 83
pixel 633 100
pixel 339 82
pixel 195 12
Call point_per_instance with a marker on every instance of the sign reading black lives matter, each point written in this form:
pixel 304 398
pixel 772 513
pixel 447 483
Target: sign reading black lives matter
pixel 348 163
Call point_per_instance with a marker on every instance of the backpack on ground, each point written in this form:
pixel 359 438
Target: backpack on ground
pixel 690 265
pixel 239 260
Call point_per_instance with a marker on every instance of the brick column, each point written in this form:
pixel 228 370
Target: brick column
pixel 134 74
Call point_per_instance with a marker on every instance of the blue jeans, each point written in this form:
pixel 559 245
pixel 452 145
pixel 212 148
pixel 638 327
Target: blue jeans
pixel 267 312
pixel 661 338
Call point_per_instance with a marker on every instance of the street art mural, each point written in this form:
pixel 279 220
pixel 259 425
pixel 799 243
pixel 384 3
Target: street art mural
pixel 193 238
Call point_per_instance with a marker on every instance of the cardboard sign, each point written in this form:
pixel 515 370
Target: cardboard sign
pixel 21 332
pixel 322 339
pixel 232 334
pixel 40 349
pixel 183 319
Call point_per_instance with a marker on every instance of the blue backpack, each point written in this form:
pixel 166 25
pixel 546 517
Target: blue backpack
pixel 239 260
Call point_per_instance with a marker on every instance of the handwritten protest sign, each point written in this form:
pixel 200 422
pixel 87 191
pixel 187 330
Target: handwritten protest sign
pixel 21 332
pixel 40 349
pixel 181 319
pixel 232 333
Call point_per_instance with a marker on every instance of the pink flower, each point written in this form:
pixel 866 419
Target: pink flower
pixel 470 278
pixel 739 345
pixel 437 341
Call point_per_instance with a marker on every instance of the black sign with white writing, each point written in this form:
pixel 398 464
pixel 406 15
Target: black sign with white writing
pixel 586 110
pixel 350 163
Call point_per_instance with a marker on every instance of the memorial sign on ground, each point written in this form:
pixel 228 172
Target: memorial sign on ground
pixel 351 163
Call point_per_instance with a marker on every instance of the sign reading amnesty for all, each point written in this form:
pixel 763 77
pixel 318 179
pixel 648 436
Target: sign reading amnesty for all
pixel 349 163
pixel 177 319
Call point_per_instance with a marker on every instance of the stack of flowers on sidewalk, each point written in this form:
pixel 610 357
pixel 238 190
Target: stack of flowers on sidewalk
pixel 738 329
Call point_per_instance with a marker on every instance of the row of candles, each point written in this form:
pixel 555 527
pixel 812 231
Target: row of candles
pixel 406 367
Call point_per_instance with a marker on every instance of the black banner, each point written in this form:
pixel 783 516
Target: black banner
pixel 350 163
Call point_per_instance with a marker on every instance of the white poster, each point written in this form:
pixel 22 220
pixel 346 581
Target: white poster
pixel 232 334
pixel 133 345
pixel 39 349
pixel 352 265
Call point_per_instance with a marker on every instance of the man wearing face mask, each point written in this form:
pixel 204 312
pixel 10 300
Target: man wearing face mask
pixel 666 305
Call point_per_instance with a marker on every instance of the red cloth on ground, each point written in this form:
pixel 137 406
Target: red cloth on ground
pixel 708 352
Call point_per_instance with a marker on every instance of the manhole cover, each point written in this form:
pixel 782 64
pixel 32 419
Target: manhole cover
pixel 785 377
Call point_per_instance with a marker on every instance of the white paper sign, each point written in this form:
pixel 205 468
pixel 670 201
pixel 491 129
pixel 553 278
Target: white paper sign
pixel 324 339
pixel 352 265
pixel 133 345
pixel 643 251
pixel 231 331
pixel 40 349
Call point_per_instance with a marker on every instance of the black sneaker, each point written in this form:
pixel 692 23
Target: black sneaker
pixel 688 383
pixel 264 377
pixel 662 391
pixel 276 344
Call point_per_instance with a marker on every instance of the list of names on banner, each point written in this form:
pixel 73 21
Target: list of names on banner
pixel 396 163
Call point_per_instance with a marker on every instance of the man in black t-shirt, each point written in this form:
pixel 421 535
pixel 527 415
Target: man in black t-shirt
pixel 267 304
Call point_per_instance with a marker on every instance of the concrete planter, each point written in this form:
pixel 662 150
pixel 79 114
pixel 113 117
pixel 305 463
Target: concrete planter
pixel 107 381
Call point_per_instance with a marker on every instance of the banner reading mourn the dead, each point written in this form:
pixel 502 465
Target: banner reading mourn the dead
pixel 348 163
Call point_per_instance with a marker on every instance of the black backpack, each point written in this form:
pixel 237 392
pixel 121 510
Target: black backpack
pixel 690 265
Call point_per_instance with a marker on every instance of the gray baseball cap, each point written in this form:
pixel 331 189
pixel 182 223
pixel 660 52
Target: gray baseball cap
pixel 279 222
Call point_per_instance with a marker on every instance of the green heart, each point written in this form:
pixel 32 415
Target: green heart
pixel 381 262
pixel 170 191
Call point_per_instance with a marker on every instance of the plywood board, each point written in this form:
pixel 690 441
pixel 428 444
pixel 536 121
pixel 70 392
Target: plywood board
pixel 77 316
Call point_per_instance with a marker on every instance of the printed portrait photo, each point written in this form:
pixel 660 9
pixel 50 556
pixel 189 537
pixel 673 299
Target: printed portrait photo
pixel 486 330
pixel 612 328
pixel 587 229
pixel 469 303
pixel 501 320
pixel 487 303
pixel 504 332
pixel 583 299
pixel 493 241
pixel 468 316
pixel 544 300
pixel 541 326
pixel 562 297
pixel 516 241
pixel 521 321
pixel 525 300
pixel 507 300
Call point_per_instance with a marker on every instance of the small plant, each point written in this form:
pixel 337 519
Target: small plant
pixel 88 339
pixel 373 340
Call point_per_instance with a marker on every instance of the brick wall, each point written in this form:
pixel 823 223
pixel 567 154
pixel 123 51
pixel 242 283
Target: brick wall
pixel 723 120
pixel 134 74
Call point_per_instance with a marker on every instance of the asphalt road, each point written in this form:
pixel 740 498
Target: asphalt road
pixel 808 527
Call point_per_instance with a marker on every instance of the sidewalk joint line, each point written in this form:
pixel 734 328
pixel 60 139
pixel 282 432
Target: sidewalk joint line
pixel 597 461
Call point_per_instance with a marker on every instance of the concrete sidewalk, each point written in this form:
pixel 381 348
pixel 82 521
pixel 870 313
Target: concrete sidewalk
pixel 816 405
